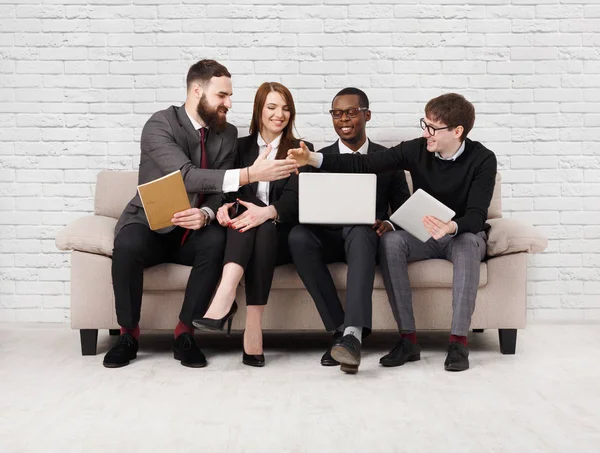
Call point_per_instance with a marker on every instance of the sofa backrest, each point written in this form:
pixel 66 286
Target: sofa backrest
pixel 115 188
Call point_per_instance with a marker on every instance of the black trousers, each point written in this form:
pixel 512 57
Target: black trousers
pixel 137 248
pixel 313 247
pixel 258 251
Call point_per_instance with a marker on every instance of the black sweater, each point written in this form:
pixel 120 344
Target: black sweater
pixel 465 185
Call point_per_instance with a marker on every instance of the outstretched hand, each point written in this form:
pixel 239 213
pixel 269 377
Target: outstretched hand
pixel 265 170
pixel 300 155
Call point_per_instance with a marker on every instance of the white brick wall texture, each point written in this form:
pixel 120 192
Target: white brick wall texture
pixel 78 79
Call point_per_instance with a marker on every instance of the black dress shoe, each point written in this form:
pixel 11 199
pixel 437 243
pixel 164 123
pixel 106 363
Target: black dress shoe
pixel 187 351
pixel 347 353
pixel 217 324
pixel 123 351
pixel 457 358
pixel 253 360
pixel 404 351
pixel 326 359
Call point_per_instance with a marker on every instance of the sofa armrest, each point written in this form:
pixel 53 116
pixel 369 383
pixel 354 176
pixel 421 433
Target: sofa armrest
pixel 92 234
pixel 513 236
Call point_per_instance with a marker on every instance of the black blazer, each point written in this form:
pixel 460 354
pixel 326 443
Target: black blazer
pixel 283 194
pixel 392 189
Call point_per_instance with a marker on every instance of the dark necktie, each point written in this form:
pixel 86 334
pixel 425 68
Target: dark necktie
pixel 203 164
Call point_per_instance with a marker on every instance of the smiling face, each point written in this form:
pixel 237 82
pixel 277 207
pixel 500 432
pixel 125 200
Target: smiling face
pixel 352 131
pixel 444 141
pixel 275 115
pixel 214 101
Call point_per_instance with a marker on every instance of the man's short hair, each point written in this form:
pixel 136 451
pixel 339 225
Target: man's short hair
pixel 205 70
pixel 453 110
pixel 363 100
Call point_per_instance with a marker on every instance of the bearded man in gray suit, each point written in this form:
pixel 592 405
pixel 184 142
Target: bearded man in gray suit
pixel 197 140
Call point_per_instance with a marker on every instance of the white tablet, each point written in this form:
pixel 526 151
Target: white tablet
pixel 410 215
pixel 337 198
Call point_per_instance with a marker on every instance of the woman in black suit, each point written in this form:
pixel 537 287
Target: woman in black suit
pixel 259 218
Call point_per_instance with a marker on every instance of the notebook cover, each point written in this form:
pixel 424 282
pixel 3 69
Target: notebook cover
pixel 162 198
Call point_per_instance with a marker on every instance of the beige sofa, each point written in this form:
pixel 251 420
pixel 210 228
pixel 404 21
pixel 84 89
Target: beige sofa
pixel 501 299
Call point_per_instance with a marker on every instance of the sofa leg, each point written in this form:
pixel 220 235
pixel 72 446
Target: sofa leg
pixel 478 330
pixel 114 332
pixel 89 340
pixel 508 340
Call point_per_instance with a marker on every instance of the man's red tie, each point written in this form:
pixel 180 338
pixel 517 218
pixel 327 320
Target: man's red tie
pixel 203 164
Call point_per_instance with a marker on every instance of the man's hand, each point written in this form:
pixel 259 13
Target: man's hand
pixel 271 170
pixel 382 227
pixel 223 215
pixel 300 155
pixel 253 216
pixel 192 219
pixel 437 228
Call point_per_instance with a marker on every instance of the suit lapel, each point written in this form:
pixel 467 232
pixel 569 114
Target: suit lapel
pixel 192 136
pixel 252 155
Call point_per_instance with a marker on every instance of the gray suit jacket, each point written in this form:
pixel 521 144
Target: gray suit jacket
pixel 170 143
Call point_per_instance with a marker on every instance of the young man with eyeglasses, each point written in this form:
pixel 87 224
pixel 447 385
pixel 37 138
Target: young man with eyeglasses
pixel 461 174
pixel 313 247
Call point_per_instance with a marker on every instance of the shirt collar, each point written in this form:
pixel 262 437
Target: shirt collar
pixel 362 150
pixel 197 125
pixel 274 144
pixel 456 155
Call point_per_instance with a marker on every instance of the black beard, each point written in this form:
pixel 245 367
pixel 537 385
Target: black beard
pixel 211 117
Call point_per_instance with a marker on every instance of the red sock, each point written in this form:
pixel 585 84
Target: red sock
pixel 458 339
pixel 411 336
pixel 135 332
pixel 183 328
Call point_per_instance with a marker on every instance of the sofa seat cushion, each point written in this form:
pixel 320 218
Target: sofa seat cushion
pixel 422 274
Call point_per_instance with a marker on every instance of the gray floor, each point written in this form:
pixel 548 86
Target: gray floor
pixel 546 398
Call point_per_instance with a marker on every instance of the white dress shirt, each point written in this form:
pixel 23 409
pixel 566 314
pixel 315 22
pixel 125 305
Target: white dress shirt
pixel 364 149
pixel 262 192
pixel 456 154
pixel 231 181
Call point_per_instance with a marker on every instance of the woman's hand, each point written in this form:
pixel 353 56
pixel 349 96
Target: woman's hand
pixel 253 216
pixel 223 215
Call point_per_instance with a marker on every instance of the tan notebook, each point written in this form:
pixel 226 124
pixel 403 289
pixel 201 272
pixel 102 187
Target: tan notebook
pixel 162 198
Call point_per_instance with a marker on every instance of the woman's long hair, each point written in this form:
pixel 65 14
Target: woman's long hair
pixel 288 140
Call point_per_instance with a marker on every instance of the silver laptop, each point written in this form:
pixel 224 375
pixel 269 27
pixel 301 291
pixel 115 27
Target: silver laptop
pixel 337 198
pixel 410 215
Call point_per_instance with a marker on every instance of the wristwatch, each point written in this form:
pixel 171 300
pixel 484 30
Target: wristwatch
pixel 207 218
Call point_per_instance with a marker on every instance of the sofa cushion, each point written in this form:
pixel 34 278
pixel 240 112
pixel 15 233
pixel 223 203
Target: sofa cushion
pixel 422 274
pixel 114 189
pixel 92 234
pixel 513 236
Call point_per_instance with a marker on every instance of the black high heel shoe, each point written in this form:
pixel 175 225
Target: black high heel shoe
pixel 253 360
pixel 217 324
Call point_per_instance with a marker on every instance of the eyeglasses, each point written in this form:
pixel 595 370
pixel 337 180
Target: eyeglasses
pixel 431 129
pixel 350 113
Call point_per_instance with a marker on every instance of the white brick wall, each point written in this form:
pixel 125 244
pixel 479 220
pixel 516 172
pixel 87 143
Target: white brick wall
pixel 78 79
